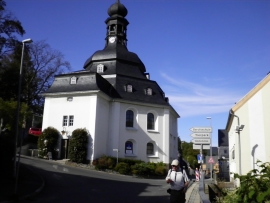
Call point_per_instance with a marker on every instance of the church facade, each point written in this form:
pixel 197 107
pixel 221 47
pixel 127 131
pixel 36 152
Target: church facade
pixel 126 114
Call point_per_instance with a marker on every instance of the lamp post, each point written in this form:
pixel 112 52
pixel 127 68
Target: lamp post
pixel 26 41
pixel 211 166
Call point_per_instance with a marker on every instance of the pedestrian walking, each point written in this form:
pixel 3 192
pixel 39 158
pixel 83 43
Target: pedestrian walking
pixel 178 181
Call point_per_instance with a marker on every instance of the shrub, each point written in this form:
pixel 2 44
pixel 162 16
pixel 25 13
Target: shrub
pixel 161 170
pixel 78 146
pixel 254 187
pixel 104 162
pixel 51 135
pixel 122 168
pixel 142 169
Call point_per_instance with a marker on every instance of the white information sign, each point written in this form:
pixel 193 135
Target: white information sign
pixel 198 146
pixel 201 141
pixel 201 135
pixel 201 129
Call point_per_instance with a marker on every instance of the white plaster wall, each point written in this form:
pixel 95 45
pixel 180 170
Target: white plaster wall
pixel 266 119
pixel 102 127
pixel 233 145
pixel 256 130
pixel 83 109
pixel 139 135
pixel 105 121
pixel 255 138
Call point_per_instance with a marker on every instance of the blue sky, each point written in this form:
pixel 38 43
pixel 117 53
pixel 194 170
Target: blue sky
pixel 204 54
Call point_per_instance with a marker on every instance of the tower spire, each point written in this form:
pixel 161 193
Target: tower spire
pixel 117 24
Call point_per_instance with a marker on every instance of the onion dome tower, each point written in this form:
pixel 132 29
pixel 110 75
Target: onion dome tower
pixel 115 57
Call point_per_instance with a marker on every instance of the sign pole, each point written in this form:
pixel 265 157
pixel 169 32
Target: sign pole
pixel 211 165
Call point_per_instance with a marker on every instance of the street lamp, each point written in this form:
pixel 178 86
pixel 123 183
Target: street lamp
pixel 26 41
pixel 211 166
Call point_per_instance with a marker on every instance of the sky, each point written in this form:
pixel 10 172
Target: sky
pixel 205 54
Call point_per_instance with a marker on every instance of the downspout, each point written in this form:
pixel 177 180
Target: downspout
pixel 239 146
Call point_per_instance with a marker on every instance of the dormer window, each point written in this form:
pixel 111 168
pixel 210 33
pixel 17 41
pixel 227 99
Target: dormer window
pixel 128 88
pixel 100 68
pixel 148 91
pixel 73 80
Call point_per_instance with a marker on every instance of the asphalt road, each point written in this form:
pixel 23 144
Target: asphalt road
pixel 68 184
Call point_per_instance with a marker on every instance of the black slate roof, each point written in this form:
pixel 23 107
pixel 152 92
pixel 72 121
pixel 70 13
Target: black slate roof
pixel 120 68
pixel 85 82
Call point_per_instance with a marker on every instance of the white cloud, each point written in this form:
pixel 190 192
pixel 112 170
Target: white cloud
pixel 192 99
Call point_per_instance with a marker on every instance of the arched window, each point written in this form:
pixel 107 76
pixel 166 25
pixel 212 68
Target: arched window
pixel 150 121
pixel 150 148
pixel 129 147
pixel 129 118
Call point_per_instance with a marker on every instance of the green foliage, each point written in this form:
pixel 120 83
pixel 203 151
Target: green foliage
pixel 104 162
pixel 51 135
pixel 142 169
pixel 123 168
pixel 8 111
pixel 78 146
pixel 254 187
pixel 130 166
pixel 161 170
pixel 188 153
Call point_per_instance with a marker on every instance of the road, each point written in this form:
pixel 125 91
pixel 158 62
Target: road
pixel 68 184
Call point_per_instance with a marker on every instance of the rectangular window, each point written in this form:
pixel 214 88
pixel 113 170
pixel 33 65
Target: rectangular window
pixel 68 120
pixel 225 151
pixel 71 120
pixel 65 120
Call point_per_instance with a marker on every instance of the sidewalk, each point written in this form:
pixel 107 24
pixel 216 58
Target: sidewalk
pixel 192 194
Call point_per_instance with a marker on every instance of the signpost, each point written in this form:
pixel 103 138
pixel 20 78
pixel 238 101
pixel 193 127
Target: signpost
pixel 200 141
pixel 201 129
pixel 201 135
pixel 198 146
pixel 116 150
pixel 200 158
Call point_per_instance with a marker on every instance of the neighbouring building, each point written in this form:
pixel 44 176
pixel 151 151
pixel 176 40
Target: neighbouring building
pixel 125 112
pixel 223 155
pixel 249 130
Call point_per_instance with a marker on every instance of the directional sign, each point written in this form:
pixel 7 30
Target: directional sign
pixel 201 135
pixel 201 129
pixel 201 141
pixel 198 146
pixel 211 160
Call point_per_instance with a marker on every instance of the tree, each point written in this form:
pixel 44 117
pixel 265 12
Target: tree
pixel 8 112
pixel 9 26
pixel 40 64
pixel 188 153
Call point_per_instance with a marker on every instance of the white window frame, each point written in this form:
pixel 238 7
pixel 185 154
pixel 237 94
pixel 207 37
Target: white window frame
pixel 68 120
pixel 65 121
pixel 73 80
pixel 100 68
pixel 71 120
pixel 153 149
pixel 129 88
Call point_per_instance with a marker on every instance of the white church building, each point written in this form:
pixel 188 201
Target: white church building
pixel 113 98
